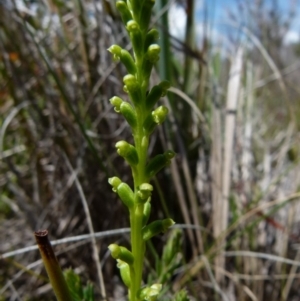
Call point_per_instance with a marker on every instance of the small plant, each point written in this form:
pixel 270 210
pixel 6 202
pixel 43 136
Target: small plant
pixel 77 290
pixel 142 117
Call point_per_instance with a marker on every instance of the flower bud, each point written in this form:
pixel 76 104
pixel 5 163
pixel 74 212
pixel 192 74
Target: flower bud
pixel 124 56
pixel 124 11
pixel 155 118
pixel 114 182
pixel 151 57
pixel 144 192
pixel 116 102
pixel 136 37
pixel 132 26
pixel 124 271
pixel 131 82
pixel 159 115
pixel 152 53
pixel 156 93
pixel 132 87
pixel 129 114
pixel 115 50
pixel 123 190
pixel 157 227
pixel 128 152
pixel 121 253
pixel 158 162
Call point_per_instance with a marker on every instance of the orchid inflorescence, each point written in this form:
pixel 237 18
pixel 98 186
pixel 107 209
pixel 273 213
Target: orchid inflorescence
pixel 143 116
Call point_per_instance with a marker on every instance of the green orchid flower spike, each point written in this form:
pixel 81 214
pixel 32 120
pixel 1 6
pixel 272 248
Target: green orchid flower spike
pixel 143 118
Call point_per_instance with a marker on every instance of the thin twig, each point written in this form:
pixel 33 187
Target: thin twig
pixel 102 234
pixel 90 226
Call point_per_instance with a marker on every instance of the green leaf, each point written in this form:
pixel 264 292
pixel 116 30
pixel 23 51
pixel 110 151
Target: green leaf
pixel 158 162
pixel 157 227
pixel 124 11
pixel 156 93
pixel 145 15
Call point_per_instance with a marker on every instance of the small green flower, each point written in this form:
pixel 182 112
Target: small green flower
pixel 157 117
pixel 144 192
pixel 124 56
pixel 150 293
pixel 121 253
pixel 152 53
pixel 114 182
pixel 151 57
pixel 135 36
pixel 123 190
pixel 132 87
pixel 152 37
pixel 128 152
pixel 116 102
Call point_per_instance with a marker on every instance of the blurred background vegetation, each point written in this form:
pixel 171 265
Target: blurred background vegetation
pixel 234 123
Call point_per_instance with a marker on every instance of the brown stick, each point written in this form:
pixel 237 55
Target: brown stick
pixel 52 266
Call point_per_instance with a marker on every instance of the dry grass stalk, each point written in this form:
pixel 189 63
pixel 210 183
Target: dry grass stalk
pixel 52 266
pixel 222 209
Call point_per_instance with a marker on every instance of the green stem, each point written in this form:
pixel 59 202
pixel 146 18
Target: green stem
pixel 138 249
pixel 136 214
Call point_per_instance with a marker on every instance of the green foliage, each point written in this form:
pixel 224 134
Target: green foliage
pixel 77 290
pixel 172 256
pixel 157 227
pixel 5 209
pixel 182 296
pixel 55 68
pixel 165 266
pixel 150 293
